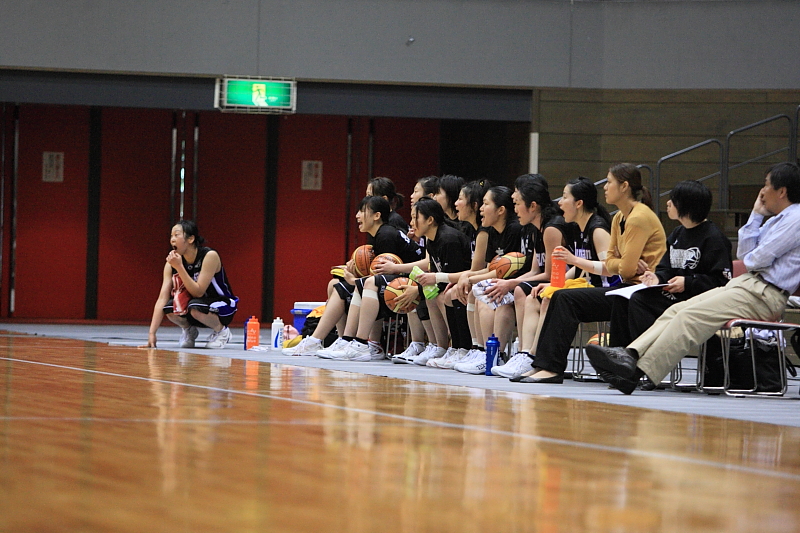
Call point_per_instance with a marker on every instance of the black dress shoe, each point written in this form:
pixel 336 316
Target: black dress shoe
pixel 517 379
pixel 618 361
pixel 558 378
pixel 625 386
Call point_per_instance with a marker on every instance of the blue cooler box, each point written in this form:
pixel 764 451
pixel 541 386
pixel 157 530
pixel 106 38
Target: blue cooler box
pixel 301 311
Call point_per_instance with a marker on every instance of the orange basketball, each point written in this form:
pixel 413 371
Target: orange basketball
pixel 382 258
pixel 507 265
pixel 362 257
pixel 393 290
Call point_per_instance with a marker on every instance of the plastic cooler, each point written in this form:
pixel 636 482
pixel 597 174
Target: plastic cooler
pixel 301 311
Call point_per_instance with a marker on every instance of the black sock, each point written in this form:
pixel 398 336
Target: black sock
pixel 346 338
pixel 362 341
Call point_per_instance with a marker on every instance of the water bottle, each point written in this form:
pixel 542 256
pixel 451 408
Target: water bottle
pixel 277 334
pixel 253 333
pixel 558 273
pixel 492 348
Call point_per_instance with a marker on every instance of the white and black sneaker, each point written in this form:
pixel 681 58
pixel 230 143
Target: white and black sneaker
pixel 517 365
pixel 472 364
pixel 432 351
pixel 376 351
pixel 333 350
pixel 218 339
pixel 188 336
pixel 307 346
pixel 408 355
pixel 355 351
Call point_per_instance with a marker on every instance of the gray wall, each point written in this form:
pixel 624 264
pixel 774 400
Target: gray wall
pixel 720 44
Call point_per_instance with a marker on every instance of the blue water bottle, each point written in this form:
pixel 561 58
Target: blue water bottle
pixel 492 347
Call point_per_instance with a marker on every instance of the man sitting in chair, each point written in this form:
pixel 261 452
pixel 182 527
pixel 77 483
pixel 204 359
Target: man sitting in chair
pixel 771 253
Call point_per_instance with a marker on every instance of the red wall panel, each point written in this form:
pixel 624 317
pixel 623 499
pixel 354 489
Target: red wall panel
pixel 310 224
pixel 52 219
pixel 230 203
pixel 406 150
pixel 134 211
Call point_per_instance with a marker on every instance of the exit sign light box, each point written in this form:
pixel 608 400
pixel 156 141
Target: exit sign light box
pixel 255 95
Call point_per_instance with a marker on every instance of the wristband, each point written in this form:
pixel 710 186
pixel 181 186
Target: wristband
pixel 597 267
pixel 442 277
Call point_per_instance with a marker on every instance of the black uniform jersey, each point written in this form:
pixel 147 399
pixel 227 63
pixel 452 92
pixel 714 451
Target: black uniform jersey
pixel 503 243
pixel 390 240
pixel 702 255
pixel 532 242
pixel 472 234
pixel 584 247
pixel 449 252
pixel 397 221
pixel 219 286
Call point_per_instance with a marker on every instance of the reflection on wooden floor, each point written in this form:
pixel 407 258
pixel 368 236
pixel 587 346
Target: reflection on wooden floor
pixel 102 438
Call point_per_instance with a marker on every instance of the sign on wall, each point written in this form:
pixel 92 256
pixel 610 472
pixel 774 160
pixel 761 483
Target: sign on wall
pixel 53 167
pixel 311 176
pixel 255 95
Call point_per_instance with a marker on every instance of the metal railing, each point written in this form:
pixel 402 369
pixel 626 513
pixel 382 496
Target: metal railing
pixel 724 185
pixel 657 194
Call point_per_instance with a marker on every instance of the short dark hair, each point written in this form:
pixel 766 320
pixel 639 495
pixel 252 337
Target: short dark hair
pixel 376 204
pixel 190 230
pixel 428 207
pixel 786 175
pixel 691 199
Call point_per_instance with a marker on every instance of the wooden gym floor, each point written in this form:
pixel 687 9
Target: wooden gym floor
pixel 106 437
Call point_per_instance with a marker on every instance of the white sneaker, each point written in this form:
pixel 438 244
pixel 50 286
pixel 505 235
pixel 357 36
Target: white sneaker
pixel 376 352
pixel 408 355
pixel 218 339
pixel 519 364
pixel 431 352
pixel 336 348
pixel 474 365
pixel 307 346
pixel 188 336
pixel 355 351
pixel 455 357
pixel 434 362
pixel 469 357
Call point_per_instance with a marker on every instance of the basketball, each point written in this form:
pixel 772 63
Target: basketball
pixel 384 257
pixel 393 290
pixel 362 257
pixel 507 265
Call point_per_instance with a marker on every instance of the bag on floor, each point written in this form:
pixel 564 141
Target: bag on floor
pixel 767 365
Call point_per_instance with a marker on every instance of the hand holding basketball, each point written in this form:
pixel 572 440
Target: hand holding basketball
pixel 401 295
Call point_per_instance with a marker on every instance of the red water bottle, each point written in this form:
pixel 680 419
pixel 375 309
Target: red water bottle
pixel 253 335
pixel 558 272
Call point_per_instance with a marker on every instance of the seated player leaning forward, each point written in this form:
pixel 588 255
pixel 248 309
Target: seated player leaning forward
pixel 194 291
pixel 371 216
pixel 771 253
pixel 698 258
pixel 637 244
pixel 447 251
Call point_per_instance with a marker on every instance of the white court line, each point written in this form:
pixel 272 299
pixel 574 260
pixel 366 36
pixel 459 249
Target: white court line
pixel 449 425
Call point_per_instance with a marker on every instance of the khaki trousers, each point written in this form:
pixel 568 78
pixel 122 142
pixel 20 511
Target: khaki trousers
pixel 686 325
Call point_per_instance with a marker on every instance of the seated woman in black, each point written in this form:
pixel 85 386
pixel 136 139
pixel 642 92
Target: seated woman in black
pixel 371 217
pixel 698 258
pixel 447 251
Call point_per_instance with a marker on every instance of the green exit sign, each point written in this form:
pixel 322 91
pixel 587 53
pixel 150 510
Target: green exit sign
pixel 256 95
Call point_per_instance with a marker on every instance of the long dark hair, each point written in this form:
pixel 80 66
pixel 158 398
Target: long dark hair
pixel 429 184
pixel 428 207
pixel 628 172
pixel 474 192
pixel 583 189
pixel 385 187
pixel 376 204
pixel 501 197
pixel 451 185
pixel 534 189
